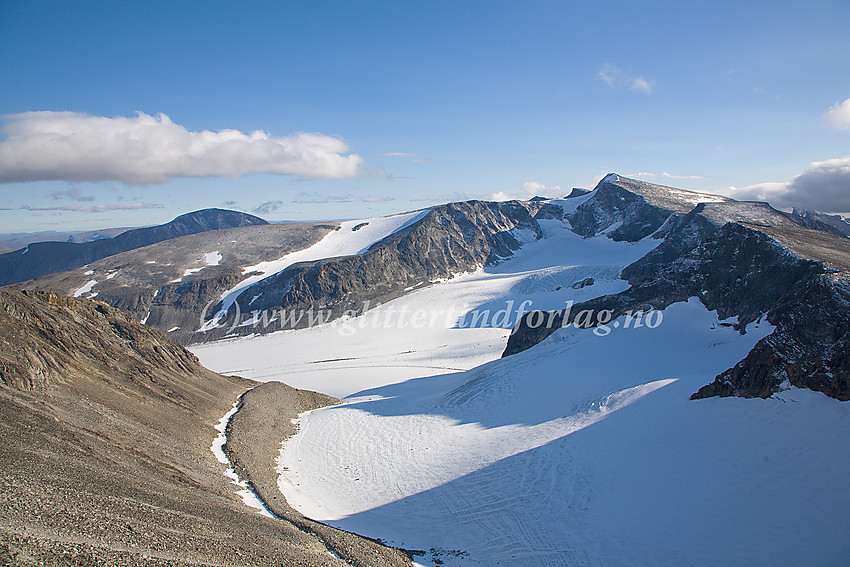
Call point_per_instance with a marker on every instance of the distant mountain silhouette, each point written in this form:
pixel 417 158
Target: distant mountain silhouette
pixel 42 258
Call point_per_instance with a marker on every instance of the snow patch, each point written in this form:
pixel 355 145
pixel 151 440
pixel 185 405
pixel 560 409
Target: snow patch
pixel 249 497
pixel 86 288
pixel 212 258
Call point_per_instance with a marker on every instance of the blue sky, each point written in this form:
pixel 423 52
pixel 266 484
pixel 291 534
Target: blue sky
pixel 411 103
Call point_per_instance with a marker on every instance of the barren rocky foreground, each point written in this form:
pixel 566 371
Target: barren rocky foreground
pixel 105 436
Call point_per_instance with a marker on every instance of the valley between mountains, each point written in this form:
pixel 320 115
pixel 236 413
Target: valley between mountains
pixel 634 375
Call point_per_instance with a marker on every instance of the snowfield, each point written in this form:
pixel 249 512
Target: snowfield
pixel 584 450
pixel 383 346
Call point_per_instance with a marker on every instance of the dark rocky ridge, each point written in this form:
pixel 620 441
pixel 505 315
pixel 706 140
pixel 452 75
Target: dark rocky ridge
pixel 740 268
pixel 449 239
pixel 105 440
pixel 42 258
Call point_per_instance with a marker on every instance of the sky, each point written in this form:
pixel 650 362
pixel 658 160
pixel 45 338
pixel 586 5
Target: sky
pixel 131 113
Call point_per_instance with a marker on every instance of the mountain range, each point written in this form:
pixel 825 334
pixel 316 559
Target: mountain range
pixel 480 436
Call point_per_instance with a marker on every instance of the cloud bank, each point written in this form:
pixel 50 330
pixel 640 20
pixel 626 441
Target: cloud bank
pixel 95 208
pixel 823 186
pixel 145 149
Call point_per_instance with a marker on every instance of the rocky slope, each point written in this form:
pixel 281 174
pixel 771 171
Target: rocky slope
pixel 41 258
pixel 105 442
pixel 746 260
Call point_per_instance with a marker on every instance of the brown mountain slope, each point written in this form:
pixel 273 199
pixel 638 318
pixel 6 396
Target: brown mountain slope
pixel 105 432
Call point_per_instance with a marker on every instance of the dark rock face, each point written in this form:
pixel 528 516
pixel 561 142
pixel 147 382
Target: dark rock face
pixel 41 258
pixel 810 347
pixel 612 204
pixel 583 283
pixel 740 268
pixel 450 239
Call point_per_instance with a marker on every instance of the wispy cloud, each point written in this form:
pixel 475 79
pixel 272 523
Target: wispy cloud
pixel 616 78
pixel 95 208
pixel 73 194
pixel 321 198
pixel 838 116
pixel 146 149
pixel 267 207
pixel 667 175
pixel 376 199
pixel 416 158
pixel 823 186
pixel 454 197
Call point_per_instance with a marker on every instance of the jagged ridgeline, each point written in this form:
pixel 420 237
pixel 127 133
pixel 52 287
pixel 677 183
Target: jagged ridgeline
pixel 746 260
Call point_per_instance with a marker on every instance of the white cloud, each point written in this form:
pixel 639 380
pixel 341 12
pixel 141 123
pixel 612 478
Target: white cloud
pixel 529 189
pixel 838 116
pixel 641 85
pixel 616 78
pixel 823 186
pixel 145 149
